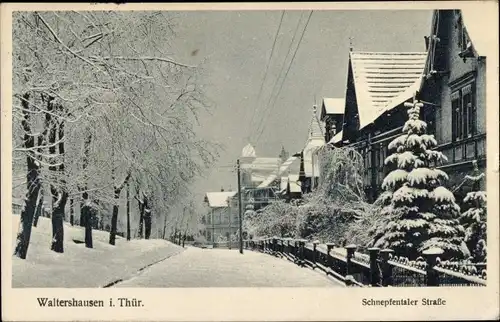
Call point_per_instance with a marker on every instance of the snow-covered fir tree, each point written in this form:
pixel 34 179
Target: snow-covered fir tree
pixel 474 217
pixel 420 212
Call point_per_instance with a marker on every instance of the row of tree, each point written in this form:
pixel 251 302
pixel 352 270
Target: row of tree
pixel 414 213
pixel 99 108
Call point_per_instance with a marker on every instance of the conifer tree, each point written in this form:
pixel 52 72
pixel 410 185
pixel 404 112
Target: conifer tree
pixel 474 217
pixel 420 212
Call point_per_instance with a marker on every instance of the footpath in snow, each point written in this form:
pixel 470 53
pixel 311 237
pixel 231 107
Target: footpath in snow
pixel 79 266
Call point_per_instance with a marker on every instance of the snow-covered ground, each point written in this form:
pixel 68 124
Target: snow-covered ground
pixel 227 268
pixel 79 266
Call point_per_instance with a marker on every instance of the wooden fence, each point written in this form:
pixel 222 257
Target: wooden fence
pixel 378 268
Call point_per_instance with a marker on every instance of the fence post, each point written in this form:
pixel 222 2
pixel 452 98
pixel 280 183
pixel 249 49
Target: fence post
pixel 296 250
pixel 288 246
pixel 374 269
pixel 302 244
pixel 385 255
pixel 280 247
pixel 350 254
pixel 275 246
pixel 315 249
pixel 431 255
pixel 329 247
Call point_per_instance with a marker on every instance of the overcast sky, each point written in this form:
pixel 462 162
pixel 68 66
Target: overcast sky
pixel 235 48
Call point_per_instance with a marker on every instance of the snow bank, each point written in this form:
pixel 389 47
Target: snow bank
pixel 79 266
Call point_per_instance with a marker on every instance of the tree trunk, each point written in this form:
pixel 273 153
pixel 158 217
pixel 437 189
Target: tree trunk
pixel 141 218
pixel 88 227
pixel 82 214
pixel 128 211
pixel 114 217
pixel 39 205
pixel 41 143
pixel 71 211
pixel 164 226
pixel 147 218
pixel 87 213
pixel 57 222
pixel 26 219
pixel 60 196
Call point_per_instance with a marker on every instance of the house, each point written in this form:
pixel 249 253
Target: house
pixel 449 78
pixel 293 187
pixel 378 85
pixel 332 115
pixel 260 176
pixel 309 165
pixel 454 89
pixel 222 220
pixel 255 170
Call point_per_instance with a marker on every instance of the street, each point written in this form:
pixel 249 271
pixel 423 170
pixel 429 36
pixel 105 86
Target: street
pixel 197 267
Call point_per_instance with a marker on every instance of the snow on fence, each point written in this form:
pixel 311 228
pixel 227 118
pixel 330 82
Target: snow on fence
pixel 378 268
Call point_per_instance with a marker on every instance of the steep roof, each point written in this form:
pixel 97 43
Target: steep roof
pixel 332 106
pixel 283 167
pixel 336 138
pixel 283 183
pixel 315 129
pixel 219 199
pixel 315 141
pixel 293 184
pixel 383 78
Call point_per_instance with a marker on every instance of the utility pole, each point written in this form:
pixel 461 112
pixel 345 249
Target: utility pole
pixel 240 207
pixel 128 210
pixel 230 213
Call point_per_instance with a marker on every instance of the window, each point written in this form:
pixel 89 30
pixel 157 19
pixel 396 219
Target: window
pixel 464 117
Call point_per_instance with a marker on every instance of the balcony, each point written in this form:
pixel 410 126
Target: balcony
pixel 463 151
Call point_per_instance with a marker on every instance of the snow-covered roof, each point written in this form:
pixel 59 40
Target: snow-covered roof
pixel 283 167
pixel 293 183
pixel 381 77
pixel 283 183
pixel 336 138
pixel 472 17
pixel 219 199
pixel 248 151
pixel 313 143
pixel 257 177
pixel 333 105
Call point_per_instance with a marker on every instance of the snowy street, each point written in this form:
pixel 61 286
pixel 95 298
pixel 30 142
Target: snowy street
pixel 197 267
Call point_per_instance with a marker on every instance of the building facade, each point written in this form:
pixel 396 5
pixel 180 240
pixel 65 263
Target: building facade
pixel 454 90
pixel 222 219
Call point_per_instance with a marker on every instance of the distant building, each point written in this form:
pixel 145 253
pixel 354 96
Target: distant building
pixel 309 166
pixel 221 220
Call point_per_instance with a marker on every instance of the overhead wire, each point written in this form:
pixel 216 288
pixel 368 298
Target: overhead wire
pixel 265 74
pixel 288 70
pixel 279 75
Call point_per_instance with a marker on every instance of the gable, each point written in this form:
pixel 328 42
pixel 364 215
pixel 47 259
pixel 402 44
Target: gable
pixel 382 77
